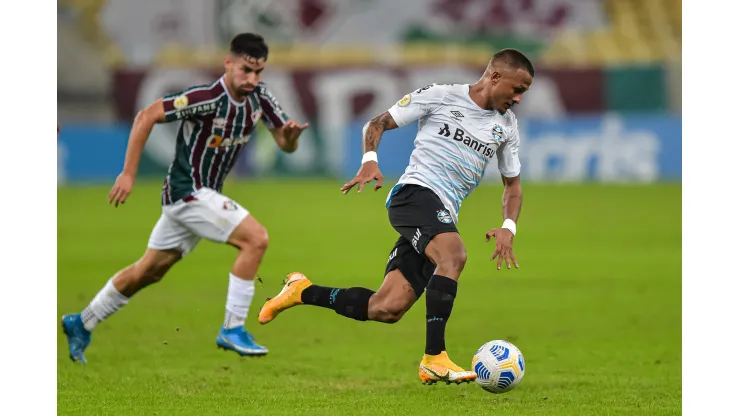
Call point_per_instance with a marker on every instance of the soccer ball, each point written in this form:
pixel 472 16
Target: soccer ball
pixel 499 366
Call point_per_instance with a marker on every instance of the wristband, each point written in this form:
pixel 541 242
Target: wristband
pixel 509 225
pixel 370 156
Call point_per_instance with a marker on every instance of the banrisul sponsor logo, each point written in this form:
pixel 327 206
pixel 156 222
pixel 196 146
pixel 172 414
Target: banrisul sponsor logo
pixel 459 135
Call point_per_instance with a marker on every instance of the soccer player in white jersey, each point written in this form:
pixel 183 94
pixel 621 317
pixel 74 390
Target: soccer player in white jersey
pixel 216 122
pixel 461 129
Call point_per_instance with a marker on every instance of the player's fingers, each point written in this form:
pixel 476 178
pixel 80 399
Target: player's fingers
pixel 119 196
pixel 114 200
pixel 508 259
pixel 362 183
pixel 498 262
pixel 380 182
pixel 304 126
pixel 349 185
pixel 513 259
pixel 112 193
pixel 496 252
pixel 490 234
pixel 124 195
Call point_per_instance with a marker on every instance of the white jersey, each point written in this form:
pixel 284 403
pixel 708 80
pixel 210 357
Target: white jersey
pixel 455 141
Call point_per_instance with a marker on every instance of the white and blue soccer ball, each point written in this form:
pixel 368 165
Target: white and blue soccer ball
pixel 499 366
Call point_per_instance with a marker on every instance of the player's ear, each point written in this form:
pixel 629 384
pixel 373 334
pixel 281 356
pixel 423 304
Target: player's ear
pixel 495 77
pixel 227 61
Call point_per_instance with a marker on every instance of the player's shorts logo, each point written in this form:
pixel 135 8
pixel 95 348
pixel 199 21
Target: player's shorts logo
pixel 181 102
pixel 405 101
pixel 443 216
pixel 229 205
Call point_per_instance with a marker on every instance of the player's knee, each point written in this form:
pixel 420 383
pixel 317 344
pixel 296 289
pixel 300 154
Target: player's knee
pixel 451 258
pixel 458 258
pixel 256 239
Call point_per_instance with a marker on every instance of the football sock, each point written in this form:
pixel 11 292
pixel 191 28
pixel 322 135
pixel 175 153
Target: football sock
pixel 351 302
pixel 238 299
pixel 441 292
pixel 105 303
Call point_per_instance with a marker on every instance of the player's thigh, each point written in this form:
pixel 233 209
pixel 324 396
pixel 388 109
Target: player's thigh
pixel 210 215
pixel 406 276
pixel 446 247
pixel 169 236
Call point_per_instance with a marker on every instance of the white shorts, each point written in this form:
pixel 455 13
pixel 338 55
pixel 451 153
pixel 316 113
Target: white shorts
pixel 210 215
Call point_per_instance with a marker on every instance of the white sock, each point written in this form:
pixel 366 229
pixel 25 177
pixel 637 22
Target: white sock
pixel 104 304
pixel 237 301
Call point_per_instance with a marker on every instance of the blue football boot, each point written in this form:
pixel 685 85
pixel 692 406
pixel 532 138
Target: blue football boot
pixel 78 337
pixel 240 341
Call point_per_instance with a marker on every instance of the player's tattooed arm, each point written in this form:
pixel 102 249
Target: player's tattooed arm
pixel 511 201
pixel 370 171
pixel 373 130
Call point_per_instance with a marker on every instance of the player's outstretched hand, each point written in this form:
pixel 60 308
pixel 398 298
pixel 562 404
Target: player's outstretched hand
pixel 121 189
pixel 504 250
pixel 292 130
pixel 369 171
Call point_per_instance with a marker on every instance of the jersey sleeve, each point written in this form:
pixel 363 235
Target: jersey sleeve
pixel 508 154
pixel 417 104
pixel 189 103
pixel 272 113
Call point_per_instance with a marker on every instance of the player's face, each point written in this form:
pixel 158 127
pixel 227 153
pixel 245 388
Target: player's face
pixel 508 88
pixel 245 73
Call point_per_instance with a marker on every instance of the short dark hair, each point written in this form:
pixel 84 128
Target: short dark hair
pixel 250 44
pixel 513 58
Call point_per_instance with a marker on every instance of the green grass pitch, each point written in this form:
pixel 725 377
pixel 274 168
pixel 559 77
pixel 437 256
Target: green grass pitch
pixel 595 307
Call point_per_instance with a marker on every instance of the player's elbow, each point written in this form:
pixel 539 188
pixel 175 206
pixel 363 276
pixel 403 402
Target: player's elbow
pixel 145 118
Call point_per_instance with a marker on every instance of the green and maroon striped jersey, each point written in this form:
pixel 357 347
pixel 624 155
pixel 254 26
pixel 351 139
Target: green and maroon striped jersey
pixel 213 130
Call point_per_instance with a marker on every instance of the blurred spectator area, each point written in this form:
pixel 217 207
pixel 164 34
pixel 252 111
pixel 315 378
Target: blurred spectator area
pixel 633 32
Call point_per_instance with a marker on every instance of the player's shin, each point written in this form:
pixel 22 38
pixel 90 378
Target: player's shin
pixel 352 303
pixel 105 303
pixel 441 292
pixel 238 300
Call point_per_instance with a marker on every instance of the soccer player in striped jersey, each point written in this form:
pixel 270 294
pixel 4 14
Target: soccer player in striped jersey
pixel 462 129
pixel 215 124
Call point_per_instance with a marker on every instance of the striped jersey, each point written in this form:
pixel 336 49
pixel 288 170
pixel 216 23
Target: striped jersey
pixel 455 142
pixel 213 129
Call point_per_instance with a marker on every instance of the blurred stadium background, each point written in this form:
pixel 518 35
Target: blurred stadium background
pixel 605 106
pixel 596 306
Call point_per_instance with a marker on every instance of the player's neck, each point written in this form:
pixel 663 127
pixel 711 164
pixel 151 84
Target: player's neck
pixel 229 90
pixel 478 95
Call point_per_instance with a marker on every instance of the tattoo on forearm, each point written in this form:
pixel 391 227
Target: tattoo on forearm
pixel 373 130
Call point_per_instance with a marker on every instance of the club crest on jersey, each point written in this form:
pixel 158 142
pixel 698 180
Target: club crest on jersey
pixel 219 123
pixel 181 102
pixel 229 205
pixel 443 216
pixel 405 101
pixel 256 115
pixel 498 133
